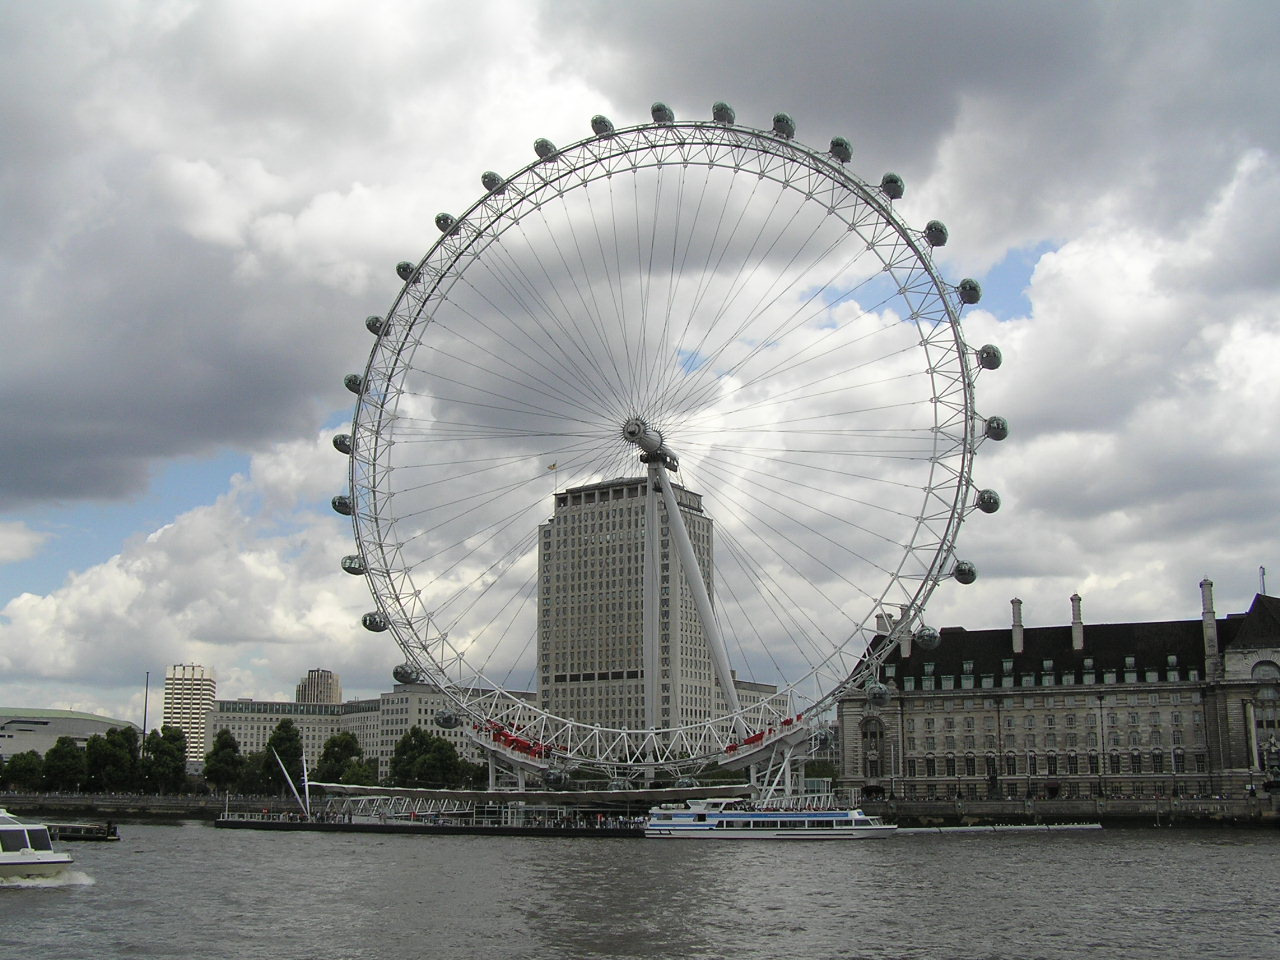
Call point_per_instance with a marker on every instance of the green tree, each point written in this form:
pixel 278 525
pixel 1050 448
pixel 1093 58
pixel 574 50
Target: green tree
pixel 111 760
pixel 164 765
pixel 286 741
pixel 339 750
pixel 223 765
pixel 64 766
pixel 423 759
pixel 360 772
pixel 256 776
pixel 24 771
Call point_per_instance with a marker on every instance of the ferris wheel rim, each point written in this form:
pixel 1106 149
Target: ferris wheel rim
pixel 461 240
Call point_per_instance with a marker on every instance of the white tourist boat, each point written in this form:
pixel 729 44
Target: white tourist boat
pixel 26 851
pixel 733 819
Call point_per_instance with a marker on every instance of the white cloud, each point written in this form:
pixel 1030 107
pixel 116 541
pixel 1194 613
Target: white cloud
pixel 251 579
pixel 19 542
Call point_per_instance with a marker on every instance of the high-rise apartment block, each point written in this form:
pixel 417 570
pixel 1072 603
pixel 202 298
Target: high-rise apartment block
pixel 591 612
pixel 189 691
pixel 319 686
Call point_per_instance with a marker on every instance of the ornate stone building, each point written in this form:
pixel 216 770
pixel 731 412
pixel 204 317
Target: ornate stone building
pixel 1174 708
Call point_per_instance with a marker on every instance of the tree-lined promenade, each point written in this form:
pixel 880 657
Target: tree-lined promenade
pixel 118 763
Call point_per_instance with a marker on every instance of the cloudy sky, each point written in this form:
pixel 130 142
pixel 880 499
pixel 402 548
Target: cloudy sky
pixel 202 201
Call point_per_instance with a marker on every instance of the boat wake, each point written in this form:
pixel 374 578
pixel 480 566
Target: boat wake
pixel 68 878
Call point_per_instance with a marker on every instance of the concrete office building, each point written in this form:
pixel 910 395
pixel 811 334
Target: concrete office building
pixel 377 724
pixel 1172 708
pixel 26 728
pixel 189 690
pixel 319 686
pixel 591 617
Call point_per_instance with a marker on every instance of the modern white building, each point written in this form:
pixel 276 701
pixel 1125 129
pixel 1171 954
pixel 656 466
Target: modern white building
pixel 377 724
pixel 591 612
pixel 319 686
pixel 189 690
pixel 28 728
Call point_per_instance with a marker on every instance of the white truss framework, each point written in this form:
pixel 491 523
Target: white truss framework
pixel 382 534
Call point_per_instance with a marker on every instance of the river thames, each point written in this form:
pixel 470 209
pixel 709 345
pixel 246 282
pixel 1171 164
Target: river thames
pixel 191 891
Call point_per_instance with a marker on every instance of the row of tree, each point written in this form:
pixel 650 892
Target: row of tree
pixel 420 759
pixel 114 762
pixel 118 762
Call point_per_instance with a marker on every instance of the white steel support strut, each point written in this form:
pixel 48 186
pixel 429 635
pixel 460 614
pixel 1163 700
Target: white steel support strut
pixel 649 598
pixel 659 457
pixel 701 599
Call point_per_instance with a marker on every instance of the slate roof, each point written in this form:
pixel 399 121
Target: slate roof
pixel 1106 644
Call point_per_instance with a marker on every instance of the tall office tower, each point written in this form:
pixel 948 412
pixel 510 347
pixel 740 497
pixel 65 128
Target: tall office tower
pixel 591 616
pixel 319 686
pixel 189 692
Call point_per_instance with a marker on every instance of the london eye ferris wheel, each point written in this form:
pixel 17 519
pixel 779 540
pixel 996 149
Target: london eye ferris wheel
pixel 662 445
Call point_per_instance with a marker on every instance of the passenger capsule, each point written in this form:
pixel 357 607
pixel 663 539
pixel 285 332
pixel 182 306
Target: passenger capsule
pixel 988 501
pixel 970 291
pixel 354 565
pixel 374 622
pixel 447 719
pixel 893 186
pixel 375 325
pixel 493 182
pixel 601 125
pixel 965 572
pixel 784 126
pixel 543 148
pixel 841 149
pixel 341 504
pixel 662 113
pixel 721 112
pixel 405 673
pixel 935 234
pixel 927 638
pixel 407 271
pixel 354 382
pixel 997 428
pixel 342 442
pixel 446 223
pixel 878 694
pixel 990 357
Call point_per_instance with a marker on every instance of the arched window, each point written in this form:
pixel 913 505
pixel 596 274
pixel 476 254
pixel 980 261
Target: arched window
pixel 1135 762
pixel 1265 670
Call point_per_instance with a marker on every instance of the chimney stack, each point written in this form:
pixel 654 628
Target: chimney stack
pixel 1017 624
pixel 1212 661
pixel 1077 624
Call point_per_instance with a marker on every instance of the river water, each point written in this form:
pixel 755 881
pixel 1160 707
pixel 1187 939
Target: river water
pixel 192 891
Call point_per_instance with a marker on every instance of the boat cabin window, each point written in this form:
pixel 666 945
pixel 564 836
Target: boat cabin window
pixel 11 841
pixel 765 824
pixel 822 824
pixel 39 839
pixel 862 822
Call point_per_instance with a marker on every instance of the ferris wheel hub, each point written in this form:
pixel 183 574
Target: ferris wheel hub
pixel 650 441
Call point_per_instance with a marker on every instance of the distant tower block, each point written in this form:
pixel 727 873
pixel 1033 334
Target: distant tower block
pixel 319 686
pixel 189 692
